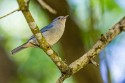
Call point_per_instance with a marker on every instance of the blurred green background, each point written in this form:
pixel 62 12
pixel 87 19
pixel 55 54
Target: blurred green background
pixel 88 20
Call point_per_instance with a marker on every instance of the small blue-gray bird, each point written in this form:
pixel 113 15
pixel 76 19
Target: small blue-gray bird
pixel 51 32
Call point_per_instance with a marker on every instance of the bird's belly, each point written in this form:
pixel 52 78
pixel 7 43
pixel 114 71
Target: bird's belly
pixel 53 36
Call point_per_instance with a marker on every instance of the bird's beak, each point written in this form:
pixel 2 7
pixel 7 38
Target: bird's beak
pixel 66 16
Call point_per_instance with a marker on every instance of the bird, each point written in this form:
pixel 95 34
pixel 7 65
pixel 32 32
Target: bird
pixel 52 33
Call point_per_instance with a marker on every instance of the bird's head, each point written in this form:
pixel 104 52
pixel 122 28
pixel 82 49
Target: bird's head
pixel 60 19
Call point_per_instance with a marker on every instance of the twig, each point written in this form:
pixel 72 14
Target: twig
pixel 9 13
pixel 62 78
pixel 41 40
pixel 46 6
pixel 95 50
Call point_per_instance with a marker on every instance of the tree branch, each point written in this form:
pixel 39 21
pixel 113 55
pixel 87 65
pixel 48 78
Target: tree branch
pixel 95 50
pixel 46 6
pixel 10 13
pixel 41 40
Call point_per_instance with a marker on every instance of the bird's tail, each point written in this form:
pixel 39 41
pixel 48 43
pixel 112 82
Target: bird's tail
pixel 19 48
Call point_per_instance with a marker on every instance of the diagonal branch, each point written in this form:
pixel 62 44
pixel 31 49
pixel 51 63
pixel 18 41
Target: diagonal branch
pixel 46 6
pixel 9 13
pixel 41 40
pixel 101 43
pixel 95 50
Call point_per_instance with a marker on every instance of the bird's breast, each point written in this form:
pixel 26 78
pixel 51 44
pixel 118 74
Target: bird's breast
pixel 54 34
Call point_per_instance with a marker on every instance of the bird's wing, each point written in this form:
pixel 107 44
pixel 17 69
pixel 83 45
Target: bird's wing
pixel 46 28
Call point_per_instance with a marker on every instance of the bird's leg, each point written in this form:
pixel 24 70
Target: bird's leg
pixel 36 45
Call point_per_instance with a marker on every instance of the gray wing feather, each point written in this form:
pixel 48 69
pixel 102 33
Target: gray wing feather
pixel 46 28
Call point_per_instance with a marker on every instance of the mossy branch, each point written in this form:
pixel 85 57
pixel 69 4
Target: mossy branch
pixel 41 40
pixel 95 50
